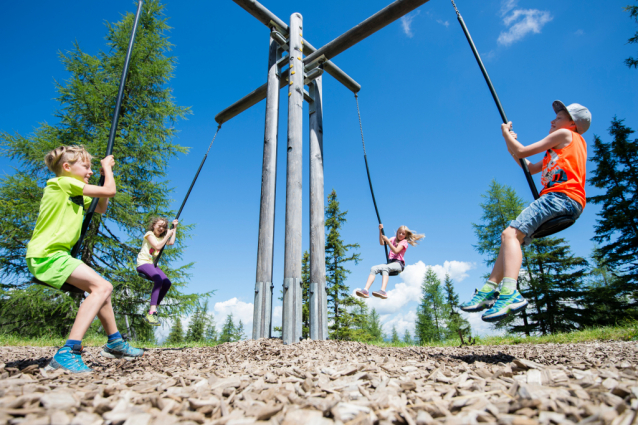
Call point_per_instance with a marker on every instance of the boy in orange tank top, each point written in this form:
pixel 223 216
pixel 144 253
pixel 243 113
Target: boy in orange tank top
pixel 563 179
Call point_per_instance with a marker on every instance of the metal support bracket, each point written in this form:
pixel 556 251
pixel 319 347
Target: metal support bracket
pixel 291 323
pixel 262 313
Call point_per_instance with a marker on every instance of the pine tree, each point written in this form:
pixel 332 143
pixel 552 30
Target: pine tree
pixel 374 328
pixel 211 331
pixel 395 335
pixel 553 282
pixel 229 332
pixel 633 13
pixel 407 338
pixel 340 303
pixel 143 146
pixel 604 305
pixel 617 226
pixel 199 323
pixel 239 332
pixel 455 321
pixel 176 336
pixel 432 309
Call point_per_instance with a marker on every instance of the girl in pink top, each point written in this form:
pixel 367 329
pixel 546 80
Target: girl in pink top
pixel 396 263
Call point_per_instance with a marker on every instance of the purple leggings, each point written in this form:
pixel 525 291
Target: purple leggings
pixel 162 284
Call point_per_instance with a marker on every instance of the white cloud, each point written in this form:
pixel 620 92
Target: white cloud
pixel 240 310
pixel 507 5
pixel 444 23
pixel 579 32
pixel 402 322
pixel 406 23
pixel 410 288
pixel 521 22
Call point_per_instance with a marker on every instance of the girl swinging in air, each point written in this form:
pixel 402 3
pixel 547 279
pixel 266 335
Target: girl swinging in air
pixel 156 237
pixel 396 263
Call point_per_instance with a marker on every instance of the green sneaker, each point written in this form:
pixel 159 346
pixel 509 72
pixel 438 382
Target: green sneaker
pixel 151 319
pixel 480 301
pixel 505 305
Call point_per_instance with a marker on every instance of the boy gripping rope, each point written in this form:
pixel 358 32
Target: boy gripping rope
pixel 154 240
pixel 396 262
pixel 49 251
pixel 563 180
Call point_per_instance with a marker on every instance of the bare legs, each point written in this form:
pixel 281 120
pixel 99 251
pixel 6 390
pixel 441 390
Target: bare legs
pixel 510 256
pixel 384 281
pixel 98 303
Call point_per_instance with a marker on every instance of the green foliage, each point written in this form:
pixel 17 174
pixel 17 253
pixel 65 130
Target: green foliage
pixel 616 229
pixel 433 313
pixel 395 335
pixel 305 295
pixel 455 322
pixel 239 332
pixel 228 330
pixel 176 336
pixel 407 338
pixel 554 285
pixel 373 326
pixel 200 323
pixel 344 318
pixel 633 13
pixel 143 146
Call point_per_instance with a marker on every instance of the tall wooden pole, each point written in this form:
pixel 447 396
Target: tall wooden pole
pixel 262 313
pixel 291 325
pixel 318 299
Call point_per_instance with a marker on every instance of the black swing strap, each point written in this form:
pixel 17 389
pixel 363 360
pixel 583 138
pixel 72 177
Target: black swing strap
pixel 365 158
pixel 201 164
pixel 116 115
pixel 528 176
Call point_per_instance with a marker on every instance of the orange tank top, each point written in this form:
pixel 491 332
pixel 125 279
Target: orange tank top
pixel 564 170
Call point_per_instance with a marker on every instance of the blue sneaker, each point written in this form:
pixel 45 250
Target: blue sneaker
pixel 505 305
pixel 69 359
pixel 480 301
pixel 120 349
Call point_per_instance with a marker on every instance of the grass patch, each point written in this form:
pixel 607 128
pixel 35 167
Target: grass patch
pixel 609 333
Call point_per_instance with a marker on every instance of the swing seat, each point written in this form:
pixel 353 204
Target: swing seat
pixel 394 273
pixel 554 225
pixel 65 287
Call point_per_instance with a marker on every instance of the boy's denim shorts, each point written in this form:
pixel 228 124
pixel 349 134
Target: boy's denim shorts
pixel 545 208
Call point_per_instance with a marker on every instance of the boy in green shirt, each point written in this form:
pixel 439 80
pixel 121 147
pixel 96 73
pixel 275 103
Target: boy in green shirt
pixel 49 251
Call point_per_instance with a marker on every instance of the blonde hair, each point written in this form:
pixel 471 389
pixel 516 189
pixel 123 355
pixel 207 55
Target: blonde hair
pixel 68 154
pixel 154 221
pixel 411 236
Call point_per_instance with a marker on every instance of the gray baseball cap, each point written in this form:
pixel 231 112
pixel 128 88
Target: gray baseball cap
pixel 579 114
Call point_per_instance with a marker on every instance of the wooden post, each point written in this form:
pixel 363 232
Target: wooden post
pixel 318 301
pixel 291 325
pixel 263 286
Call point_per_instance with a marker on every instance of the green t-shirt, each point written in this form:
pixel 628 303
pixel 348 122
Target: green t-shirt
pixel 60 218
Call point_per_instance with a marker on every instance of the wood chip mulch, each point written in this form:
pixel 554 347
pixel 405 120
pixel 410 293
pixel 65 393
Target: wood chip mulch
pixel 326 382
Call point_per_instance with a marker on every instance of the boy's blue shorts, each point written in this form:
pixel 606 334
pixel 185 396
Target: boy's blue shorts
pixel 545 208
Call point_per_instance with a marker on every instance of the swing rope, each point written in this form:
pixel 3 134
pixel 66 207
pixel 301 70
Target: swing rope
pixel 111 141
pixel 159 255
pixel 555 224
pixel 365 158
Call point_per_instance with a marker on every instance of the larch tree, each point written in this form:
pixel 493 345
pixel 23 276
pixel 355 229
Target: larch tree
pixel 144 144
pixel 395 335
pixel 229 331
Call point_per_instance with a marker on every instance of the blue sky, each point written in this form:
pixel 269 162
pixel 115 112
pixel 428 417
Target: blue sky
pixel 432 131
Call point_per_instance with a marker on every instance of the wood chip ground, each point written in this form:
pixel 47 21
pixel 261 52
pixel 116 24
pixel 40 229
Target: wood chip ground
pixel 326 382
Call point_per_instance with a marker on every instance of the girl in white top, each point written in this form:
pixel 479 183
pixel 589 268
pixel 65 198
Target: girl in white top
pixel 154 240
